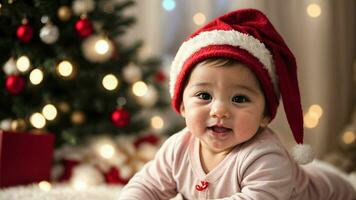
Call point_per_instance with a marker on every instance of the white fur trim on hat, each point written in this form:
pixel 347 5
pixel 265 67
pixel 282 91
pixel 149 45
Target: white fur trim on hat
pixel 302 153
pixel 222 37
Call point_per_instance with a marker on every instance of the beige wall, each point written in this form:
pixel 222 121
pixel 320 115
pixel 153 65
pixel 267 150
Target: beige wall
pixel 325 48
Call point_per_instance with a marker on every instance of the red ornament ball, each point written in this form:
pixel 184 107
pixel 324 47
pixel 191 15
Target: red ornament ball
pixel 120 117
pixel 84 27
pixel 24 33
pixel 15 84
pixel 150 139
pixel 68 169
pixel 160 77
pixel 113 177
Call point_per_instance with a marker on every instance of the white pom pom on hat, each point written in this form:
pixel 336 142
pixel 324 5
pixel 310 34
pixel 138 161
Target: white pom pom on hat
pixel 302 153
pixel 246 35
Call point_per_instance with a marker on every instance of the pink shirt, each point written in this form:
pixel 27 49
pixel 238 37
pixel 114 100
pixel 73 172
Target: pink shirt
pixel 260 169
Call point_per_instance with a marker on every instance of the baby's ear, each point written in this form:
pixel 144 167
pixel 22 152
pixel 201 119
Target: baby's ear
pixel 182 110
pixel 265 121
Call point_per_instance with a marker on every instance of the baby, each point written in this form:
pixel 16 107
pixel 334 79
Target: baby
pixel 226 80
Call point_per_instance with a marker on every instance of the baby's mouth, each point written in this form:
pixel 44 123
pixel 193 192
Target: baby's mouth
pixel 220 129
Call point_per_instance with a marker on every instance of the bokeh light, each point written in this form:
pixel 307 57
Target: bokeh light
pixel 316 110
pixel 102 46
pixel 157 122
pixel 310 121
pixel 348 137
pixel 168 4
pixel 38 120
pixel 65 68
pixel 107 151
pixel 312 117
pixel 110 82
pixel 199 18
pixel 45 185
pixel 314 10
pixel 49 111
pixel 36 76
pixel 139 88
pixel 23 63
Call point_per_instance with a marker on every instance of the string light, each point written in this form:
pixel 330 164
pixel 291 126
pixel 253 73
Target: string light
pixel 37 120
pixel 97 48
pixel 311 118
pixel 65 68
pixel 49 111
pixel 199 18
pixel 23 63
pixel 78 117
pixel 157 122
pixel 316 110
pixel 310 121
pixel 348 137
pixel 107 151
pixel 139 88
pixel 45 185
pixel 36 76
pixel 104 147
pixel 102 46
pixel 18 125
pixel 5 124
pixel 110 82
pixel 168 4
pixel 313 10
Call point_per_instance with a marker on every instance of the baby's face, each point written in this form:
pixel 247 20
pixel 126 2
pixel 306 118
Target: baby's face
pixel 223 106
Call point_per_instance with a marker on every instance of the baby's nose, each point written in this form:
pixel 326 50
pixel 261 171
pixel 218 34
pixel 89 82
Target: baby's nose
pixel 219 110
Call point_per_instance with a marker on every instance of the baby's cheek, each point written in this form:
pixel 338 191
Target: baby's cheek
pixel 247 126
pixel 193 120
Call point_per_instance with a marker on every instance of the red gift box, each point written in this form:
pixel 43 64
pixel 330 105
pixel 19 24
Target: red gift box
pixel 25 157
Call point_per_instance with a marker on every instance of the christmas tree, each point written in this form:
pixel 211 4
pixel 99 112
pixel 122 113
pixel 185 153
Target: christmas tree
pixel 67 71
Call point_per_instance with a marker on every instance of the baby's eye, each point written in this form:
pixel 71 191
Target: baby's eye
pixel 203 95
pixel 240 99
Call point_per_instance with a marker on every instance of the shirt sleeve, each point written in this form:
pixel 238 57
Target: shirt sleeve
pixel 266 174
pixel 155 180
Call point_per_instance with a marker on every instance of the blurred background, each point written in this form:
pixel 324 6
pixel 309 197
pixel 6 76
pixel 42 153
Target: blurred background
pixel 94 74
pixel 321 34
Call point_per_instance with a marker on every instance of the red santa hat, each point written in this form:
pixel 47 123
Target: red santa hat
pixel 247 36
